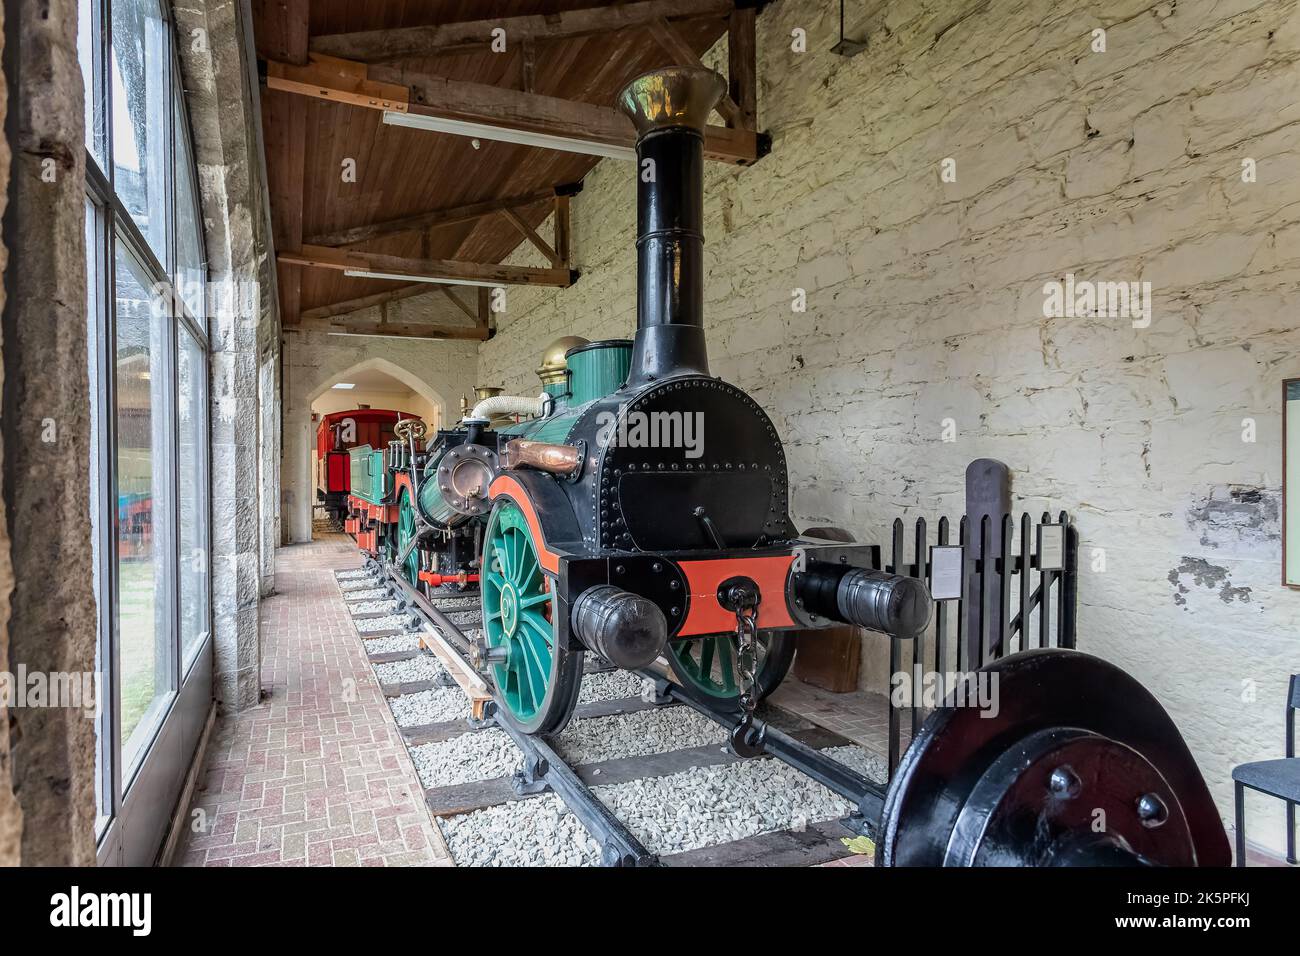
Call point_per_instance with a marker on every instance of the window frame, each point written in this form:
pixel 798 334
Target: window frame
pixel 150 777
pixel 1287 383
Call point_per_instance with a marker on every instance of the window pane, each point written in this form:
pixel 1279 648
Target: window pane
pixel 141 107
pixel 87 41
pixel 144 625
pixel 192 404
pixel 189 242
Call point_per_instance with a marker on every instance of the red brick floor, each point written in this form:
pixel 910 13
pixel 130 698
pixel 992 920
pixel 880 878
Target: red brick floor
pixel 317 775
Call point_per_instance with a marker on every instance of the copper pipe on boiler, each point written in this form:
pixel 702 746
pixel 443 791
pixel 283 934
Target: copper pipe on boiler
pixel 542 456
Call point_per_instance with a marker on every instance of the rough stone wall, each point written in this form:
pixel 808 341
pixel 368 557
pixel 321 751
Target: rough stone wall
pixel 925 302
pixel 241 330
pixel 11 814
pixel 315 360
pixel 52 617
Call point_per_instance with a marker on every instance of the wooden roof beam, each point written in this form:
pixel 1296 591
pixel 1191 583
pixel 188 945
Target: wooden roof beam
pixel 480 109
pixel 452 270
pixel 413 330
pixel 419 222
pixel 377 46
pixel 367 301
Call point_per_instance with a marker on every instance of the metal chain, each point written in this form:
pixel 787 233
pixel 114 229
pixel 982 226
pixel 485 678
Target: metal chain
pixel 747 657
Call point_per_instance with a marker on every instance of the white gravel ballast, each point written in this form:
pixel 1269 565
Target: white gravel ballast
pixel 430 707
pixel 631 735
pixel 706 806
pixel 424 667
pixel 536 832
pixel 353 574
pixel 372 607
pixel 389 622
pixel 610 685
pixel 474 755
pixel 365 594
pixel 356 584
pixel 392 643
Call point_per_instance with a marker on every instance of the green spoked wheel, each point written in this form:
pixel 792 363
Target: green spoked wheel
pixel 536 683
pixel 707 665
pixel 406 527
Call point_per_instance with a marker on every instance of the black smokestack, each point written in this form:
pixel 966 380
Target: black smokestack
pixel 670 109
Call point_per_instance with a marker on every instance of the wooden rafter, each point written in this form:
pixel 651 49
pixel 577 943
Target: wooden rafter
pixel 325 257
pixel 365 301
pixel 376 46
pixel 421 222
pixel 414 330
pixel 410 91
pixel 529 233
pixel 341 81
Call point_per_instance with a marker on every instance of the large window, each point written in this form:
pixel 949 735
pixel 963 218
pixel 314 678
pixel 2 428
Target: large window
pixel 149 461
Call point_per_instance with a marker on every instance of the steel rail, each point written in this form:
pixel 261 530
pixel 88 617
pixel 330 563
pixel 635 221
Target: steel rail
pixel 544 768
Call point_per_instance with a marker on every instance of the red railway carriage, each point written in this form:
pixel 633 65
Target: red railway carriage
pixel 336 433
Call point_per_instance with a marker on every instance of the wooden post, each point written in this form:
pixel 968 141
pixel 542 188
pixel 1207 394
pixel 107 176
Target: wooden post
pixel 742 69
pixel 562 232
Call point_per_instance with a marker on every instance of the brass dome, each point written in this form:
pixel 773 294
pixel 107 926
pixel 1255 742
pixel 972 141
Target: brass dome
pixel 553 365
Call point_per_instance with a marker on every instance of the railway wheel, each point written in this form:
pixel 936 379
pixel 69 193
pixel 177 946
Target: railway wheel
pixel 707 665
pixel 406 526
pixel 536 677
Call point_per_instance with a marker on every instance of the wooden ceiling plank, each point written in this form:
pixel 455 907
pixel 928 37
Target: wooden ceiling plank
pixel 448 216
pixel 376 46
pixel 681 52
pixel 326 257
pixel 529 233
pixel 280 30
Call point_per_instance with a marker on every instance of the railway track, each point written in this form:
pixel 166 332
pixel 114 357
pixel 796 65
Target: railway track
pixel 642 776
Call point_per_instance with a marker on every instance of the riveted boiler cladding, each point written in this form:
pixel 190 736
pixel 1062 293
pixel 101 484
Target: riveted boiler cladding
pixel 637 508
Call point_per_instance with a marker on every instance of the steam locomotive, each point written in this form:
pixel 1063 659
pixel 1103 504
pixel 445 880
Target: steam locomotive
pixel 336 435
pixel 640 509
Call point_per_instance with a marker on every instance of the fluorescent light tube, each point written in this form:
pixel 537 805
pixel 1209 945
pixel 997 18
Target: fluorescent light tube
pixel 501 134
pixel 344 385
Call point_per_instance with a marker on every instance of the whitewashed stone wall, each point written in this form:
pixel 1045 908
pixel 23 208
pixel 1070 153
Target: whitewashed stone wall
pixel 315 360
pixel 925 302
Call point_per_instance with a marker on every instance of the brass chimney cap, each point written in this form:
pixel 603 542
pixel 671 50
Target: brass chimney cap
pixel 554 366
pixel 674 96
